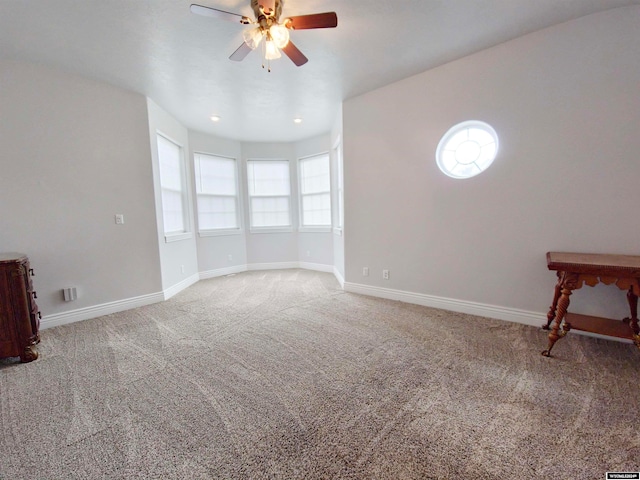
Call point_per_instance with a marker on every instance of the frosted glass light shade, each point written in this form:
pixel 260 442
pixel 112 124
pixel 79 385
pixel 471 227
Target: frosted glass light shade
pixel 271 51
pixel 280 35
pixel 252 37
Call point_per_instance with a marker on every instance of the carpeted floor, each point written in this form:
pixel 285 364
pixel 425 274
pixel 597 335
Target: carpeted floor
pixel 282 375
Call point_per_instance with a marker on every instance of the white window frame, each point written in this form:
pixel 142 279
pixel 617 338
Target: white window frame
pixel 451 152
pixel 185 233
pixel 268 229
pixel 339 179
pixel 218 231
pixel 313 228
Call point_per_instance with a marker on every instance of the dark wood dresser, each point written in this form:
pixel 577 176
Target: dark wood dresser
pixel 19 313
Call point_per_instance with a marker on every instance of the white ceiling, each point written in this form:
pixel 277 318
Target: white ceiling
pixel 160 49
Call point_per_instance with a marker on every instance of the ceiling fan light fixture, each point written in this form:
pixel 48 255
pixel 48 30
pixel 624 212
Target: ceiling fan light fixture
pixel 252 37
pixel 267 24
pixel 280 35
pixel 271 50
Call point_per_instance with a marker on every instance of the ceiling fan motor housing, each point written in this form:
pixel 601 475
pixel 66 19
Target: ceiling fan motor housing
pixel 269 8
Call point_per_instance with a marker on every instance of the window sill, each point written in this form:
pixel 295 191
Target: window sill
pixel 314 229
pixel 177 237
pixel 219 233
pixel 271 230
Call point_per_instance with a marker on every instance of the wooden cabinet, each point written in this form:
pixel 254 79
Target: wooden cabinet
pixel 19 313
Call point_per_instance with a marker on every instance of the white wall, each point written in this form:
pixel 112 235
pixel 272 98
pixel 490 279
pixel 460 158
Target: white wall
pixel 75 152
pixel 214 251
pixel 566 107
pixel 338 237
pixel 281 247
pixel 178 259
pixel 314 247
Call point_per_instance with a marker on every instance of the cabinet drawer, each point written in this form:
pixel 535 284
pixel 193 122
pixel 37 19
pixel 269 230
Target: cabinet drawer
pixel 19 312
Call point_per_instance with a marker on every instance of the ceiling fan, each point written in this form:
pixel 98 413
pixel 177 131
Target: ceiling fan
pixel 269 27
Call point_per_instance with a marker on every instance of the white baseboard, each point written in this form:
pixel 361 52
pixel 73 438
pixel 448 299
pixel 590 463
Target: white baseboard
pixel 273 266
pixel 221 272
pixel 56 319
pixel 525 317
pixel 318 267
pixel 481 309
pixel 178 287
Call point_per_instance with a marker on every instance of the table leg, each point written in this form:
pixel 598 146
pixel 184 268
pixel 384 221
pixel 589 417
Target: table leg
pixel 29 354
pixel 569 283
pixel 554 305
pixel 632 298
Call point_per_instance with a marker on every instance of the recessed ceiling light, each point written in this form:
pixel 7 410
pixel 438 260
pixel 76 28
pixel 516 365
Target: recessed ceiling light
pixel 297 120
pixel 215 118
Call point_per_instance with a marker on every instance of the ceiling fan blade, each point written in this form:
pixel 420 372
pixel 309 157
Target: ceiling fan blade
pixel 315 20
pixel 296 56
pixel 220 14
pixel 242 51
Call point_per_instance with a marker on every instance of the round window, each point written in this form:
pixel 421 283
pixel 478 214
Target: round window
pixel 467 149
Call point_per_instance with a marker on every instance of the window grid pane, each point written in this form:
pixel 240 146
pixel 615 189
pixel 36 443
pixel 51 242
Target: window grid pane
pixel 217 192
pixel 315 175
pixel 316 209
pixel 269 193
pixel 172 211
pixel 171 184
pixel 270 212
pixel 315 191
pixel 467 149
pixel 268 178
pixel 217 212
pixel 216 175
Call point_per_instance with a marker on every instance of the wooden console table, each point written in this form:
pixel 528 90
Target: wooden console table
pixel 574 270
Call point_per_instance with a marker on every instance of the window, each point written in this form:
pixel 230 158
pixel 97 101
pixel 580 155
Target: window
pixel 269 193
pixel 467 149
pixel 217 193
pixel 172 186
pixel 315 191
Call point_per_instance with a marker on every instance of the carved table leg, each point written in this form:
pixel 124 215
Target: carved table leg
pixel 554 305
pixel 632 298
pixel 29 354
pixel 568 284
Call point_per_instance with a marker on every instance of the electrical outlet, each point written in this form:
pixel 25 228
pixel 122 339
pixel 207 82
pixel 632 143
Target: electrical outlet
pixel 119 219
pixel 308 253
pixel 230 257
pixel 365 272
pixel 385 274
pixel 69 294
pixel 182 268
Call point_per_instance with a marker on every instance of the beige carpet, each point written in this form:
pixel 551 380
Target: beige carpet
pixel 282 375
